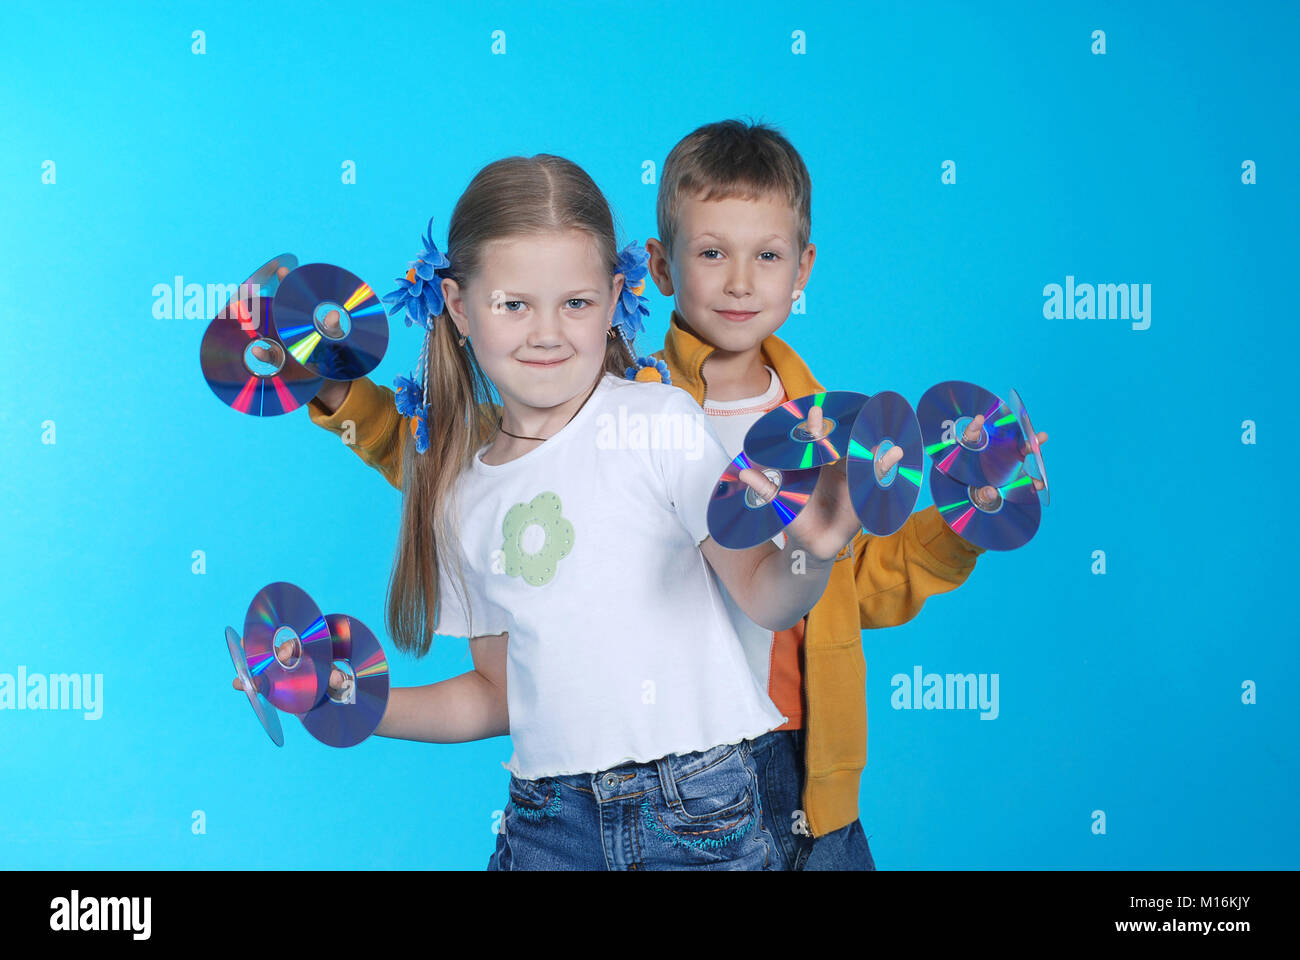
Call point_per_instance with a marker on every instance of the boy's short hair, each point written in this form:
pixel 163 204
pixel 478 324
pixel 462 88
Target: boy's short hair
pixel 733 159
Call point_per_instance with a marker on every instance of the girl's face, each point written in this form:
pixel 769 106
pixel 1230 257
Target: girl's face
pixel 537 314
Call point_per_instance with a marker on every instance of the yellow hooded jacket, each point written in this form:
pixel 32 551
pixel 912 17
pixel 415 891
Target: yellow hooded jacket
pixel 886 583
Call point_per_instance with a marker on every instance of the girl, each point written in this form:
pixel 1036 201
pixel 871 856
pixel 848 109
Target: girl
pixel 563 530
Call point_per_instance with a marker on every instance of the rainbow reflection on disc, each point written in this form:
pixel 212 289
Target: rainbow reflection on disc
pixel 261 388
pixel 1013 524
pixel 345 723
pixel 883 505
pixel 266 713
pixel 1034 459
pixel 309 298
pixel 945 410
pixel 298 686
pixel 739 520
pixel 779 438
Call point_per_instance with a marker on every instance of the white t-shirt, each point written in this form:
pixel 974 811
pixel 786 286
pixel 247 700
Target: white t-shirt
pixel 731 420
pixel 585 550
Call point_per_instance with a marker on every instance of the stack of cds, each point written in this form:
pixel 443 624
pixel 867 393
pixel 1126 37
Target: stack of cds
pixel 983 486
pixel 285 660
pixel 289 328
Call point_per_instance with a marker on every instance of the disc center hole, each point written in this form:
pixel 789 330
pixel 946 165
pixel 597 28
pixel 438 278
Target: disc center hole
pixel 754 499
pixel 286 637
pixel 802 434
pixel 883 448
pixel 263 357
pixel 960 428
pixel 347 694
pixel 986 504
pixel 331 320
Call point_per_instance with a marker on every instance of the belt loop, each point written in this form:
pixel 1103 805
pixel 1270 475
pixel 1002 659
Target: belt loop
pixel 667 782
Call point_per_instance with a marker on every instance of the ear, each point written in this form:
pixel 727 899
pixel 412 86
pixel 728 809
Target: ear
pixel 659 267
pixel 616 289
pixel 805 266
pixel 454 298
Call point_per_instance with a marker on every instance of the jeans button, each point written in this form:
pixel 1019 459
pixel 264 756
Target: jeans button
pixel 611 781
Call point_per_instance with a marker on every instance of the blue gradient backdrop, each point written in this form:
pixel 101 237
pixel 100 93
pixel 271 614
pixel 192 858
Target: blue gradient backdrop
pixel 1120 693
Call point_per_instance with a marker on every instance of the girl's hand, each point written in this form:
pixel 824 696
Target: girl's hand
pixel 828 521
pixel 339 684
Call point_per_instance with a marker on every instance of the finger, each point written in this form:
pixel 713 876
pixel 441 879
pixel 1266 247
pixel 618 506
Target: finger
pixel 282 272
pixel 1042 437
pixel 885 464
pixel 331 323
pixel 973 429
pixel 758 482
pixel 261 353
pixel 1038 484
pixel 815 421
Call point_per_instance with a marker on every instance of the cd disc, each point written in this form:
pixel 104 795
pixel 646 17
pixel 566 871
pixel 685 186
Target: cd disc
pixel 781 439
pixel 299 683
pixel 1010 522
pixel 945 411
pixel 266 713
pixel 265 280
pixel 1033 464
pixel 331 321
pixel 352 718
pixel 263 386
pixel 883 505
pixel 738 519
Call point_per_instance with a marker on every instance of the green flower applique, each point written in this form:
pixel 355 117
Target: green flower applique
pixel 521 526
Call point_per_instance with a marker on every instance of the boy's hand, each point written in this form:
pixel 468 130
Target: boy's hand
pixel 332 393
pixel 339 681
pixel 972 436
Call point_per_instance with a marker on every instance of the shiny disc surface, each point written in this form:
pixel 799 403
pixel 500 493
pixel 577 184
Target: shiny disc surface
pixel 298 687
pixel 345 724
pixel 779 438
pixel 883 505
pixel 239 380
pixel 308 298
pixel 738 520
pixel 1012 526
pixel 266 714
pixel 944 412
pixel 1029 436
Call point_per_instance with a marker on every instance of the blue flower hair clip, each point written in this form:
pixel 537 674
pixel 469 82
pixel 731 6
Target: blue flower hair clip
pixel 648 369
pixel 411 400
pixel 420 291
pixel 631 306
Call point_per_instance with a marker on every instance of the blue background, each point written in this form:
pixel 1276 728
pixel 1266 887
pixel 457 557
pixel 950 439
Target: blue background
pixel 1119 692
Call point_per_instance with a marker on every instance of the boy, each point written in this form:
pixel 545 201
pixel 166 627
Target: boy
pixel 734 220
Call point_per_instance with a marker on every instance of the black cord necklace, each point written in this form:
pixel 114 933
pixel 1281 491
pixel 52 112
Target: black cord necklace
pixel 501 418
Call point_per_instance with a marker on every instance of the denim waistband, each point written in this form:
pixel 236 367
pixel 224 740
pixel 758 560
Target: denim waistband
pixel 629 780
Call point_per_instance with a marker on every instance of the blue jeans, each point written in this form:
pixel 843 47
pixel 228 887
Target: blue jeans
pixel 699 810
pixel 780 760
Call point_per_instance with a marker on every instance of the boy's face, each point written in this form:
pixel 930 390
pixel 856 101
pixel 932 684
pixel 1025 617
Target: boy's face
pixel 735 268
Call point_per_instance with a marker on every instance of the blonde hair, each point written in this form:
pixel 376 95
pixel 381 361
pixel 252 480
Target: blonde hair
pixel 516 196
pixel 733 159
